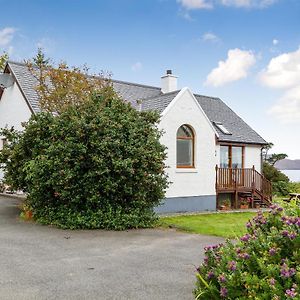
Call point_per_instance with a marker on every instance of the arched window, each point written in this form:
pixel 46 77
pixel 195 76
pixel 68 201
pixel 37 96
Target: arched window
pixel 185 147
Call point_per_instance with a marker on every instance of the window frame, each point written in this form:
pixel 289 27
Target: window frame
pixel 192 138
pixel 230 154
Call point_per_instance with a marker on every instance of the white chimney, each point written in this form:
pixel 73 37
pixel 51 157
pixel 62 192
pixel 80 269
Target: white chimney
pixel 168 82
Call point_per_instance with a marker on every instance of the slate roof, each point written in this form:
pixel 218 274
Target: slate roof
pixel 130 92
pixel 27 83
pixel 152 98
pixel 159 102
pixel 217 111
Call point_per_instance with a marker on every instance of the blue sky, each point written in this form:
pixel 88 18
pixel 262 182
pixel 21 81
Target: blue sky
pixel 246 52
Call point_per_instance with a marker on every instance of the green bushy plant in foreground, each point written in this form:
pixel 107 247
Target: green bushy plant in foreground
pixel 97 165
pixel 264 264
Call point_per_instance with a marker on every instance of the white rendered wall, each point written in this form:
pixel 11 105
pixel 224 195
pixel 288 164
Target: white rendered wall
pixel 13 110
pixel 253 157
pixel 189 182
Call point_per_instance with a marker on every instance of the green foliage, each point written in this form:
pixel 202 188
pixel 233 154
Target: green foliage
pixel 265 151
pixel 273 174
pixel 264 264
pixel 294 187
pixel 97 165
pixel 3 60
pixel 274 158
pixel 280 181
pixel 40 61
pixel 62 86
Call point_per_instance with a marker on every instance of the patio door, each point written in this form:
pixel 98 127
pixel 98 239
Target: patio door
pixel 232 158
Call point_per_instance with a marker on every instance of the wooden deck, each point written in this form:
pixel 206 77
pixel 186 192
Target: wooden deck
pixel 244 182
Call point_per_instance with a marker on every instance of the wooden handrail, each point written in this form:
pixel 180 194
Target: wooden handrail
pixel 243 180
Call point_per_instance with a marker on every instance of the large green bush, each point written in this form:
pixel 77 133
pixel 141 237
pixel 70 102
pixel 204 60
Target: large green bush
pixel 98 165
pixel 264 264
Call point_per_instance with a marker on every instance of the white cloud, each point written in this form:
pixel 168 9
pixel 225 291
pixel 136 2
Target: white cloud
pixel 275 42
pixel 248 3
pixel 287 109
pixel 6 35
pixel 235 67
pixel 136 66
pixel 46 44
pixel 208 4
pixel 211 37
pixel 196 4
pixel 283 72
pixel 185 14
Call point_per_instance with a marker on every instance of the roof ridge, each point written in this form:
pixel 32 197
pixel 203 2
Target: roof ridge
pixel 136 84
pixel 90 75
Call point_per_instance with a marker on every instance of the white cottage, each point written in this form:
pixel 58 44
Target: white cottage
pixel 213 155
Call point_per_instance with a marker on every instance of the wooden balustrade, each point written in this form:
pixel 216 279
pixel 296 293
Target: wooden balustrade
pixel 243 180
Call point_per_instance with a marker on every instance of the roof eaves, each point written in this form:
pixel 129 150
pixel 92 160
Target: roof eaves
pixel 222 140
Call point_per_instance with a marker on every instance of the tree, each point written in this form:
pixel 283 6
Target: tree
pixel 274 158
pixel 3 60
pixel 265 151
pixel 98 164
pixel 280 181
pixel 62 86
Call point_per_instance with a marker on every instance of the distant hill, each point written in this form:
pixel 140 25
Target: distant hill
pixel 288 164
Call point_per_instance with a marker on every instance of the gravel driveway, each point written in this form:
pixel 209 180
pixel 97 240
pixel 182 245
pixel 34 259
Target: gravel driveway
pixel 40 262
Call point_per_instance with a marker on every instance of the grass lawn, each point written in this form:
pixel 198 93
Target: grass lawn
pixel 228 225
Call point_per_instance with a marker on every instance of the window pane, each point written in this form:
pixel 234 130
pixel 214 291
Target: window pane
pixel 224 157
pixel 184 152
pixel 237 157
pixel 184 131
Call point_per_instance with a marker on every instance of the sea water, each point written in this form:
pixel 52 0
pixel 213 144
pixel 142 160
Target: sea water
pixel 294 175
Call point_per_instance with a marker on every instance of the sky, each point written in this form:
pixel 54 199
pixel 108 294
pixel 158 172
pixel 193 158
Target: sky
pixel 246 52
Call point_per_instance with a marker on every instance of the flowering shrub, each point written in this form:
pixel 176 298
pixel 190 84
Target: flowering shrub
pixel 263 264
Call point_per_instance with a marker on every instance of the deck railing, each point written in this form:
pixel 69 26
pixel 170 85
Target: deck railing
pixel 243 180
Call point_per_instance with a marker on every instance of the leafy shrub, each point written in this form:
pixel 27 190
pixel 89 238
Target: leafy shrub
pixel 280 181
pixel 263 264
pixel 99 165
pixel 294 187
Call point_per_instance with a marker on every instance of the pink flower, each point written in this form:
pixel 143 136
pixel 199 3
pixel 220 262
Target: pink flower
pixel 291 293
pixel 272 281
pixel 222 278
pixel 223 292
pixel 231 265
pixel 246 238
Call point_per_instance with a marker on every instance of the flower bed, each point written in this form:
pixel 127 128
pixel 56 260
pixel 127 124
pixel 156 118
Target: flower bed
pixel 263 264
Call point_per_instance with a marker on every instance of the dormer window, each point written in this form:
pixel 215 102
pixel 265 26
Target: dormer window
pixel 220 126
